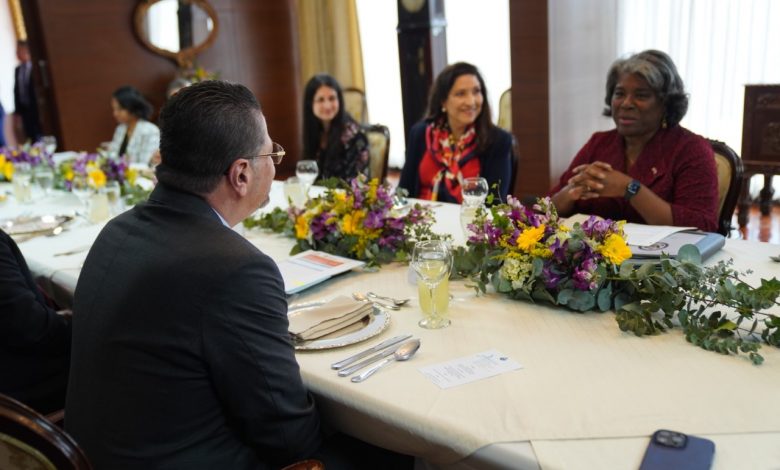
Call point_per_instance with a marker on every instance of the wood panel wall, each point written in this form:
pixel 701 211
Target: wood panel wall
pixel 530 95
pixel 90 49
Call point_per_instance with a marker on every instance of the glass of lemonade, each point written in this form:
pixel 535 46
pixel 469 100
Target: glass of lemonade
pixel 294 191
pixel 432 262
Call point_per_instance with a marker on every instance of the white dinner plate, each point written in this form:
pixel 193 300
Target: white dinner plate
pixel 375 323
pixel 30 225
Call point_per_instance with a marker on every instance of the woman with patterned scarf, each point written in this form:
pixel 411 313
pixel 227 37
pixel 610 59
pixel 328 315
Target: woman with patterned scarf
pixel 457 140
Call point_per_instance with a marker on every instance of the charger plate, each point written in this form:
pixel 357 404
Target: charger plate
pixel 376 322
pixel 30 225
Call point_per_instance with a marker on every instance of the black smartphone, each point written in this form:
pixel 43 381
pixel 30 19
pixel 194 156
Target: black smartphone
pixel 671 450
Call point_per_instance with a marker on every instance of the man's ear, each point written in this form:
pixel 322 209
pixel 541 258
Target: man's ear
pixel 238 176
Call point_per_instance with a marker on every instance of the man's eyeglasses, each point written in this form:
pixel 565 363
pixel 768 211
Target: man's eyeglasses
pixel 276 156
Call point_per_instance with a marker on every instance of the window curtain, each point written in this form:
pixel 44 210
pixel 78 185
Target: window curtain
pixel 718 47
pixel 329 41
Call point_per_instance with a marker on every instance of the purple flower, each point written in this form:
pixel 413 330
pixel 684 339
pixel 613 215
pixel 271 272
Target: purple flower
pixel 551 276
pixel 318 226
pixel 373 220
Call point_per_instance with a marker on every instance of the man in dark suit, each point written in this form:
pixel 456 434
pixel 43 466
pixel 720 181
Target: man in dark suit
pixel 34 338
pixel 181 356
pixel 24 93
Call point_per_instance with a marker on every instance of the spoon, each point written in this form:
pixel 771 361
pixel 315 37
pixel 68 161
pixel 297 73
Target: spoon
pixel 363 298
pixel 403 353
pixel 397 302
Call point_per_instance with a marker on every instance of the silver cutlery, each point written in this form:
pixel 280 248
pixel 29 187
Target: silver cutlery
pixel 362 298
pixel 397 302
pixel 74 251
pixel 403 353
pixel 356 367
pixel 384 344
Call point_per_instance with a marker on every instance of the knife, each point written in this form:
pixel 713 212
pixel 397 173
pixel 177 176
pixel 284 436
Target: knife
pixel 355 367
pixel 369 351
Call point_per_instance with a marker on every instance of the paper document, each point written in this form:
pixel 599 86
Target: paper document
pixel 312 267
pixel 469 369
pixel 644 235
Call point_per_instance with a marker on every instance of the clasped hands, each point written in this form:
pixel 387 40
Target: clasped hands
pixel 597 179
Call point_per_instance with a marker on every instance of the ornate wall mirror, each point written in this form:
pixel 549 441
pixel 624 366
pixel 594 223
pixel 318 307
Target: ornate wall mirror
pixel 177 29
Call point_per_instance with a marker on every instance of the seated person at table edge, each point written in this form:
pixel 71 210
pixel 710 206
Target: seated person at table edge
pixel 456 140
pixel 34 338
pixel 330 135
pixel 649 169
pixel 134 135
pixel 182 357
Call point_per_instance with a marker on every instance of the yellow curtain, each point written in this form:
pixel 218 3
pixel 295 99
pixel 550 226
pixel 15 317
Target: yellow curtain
pixel 330 41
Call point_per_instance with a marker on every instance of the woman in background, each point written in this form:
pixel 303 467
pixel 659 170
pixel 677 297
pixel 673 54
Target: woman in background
pixel 330 135
pixel 456 140
pixel 134 136
pixel 649 169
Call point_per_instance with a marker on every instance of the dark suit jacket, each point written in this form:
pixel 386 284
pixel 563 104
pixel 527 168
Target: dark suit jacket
pixel 181 355
pixel 495 162
pixel 27 106
pixel 34 339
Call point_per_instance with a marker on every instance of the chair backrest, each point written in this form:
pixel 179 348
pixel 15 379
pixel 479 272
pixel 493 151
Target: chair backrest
pixel 729 167
pixel 378 149
pixel 355 104
pixel 28 441
pixel 505 111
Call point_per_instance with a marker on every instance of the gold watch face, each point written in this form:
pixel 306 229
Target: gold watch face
pixel 413 6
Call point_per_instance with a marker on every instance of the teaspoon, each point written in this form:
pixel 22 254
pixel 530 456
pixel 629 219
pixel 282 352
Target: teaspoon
pixel 363 298
pixel 403 353
pixel 397 302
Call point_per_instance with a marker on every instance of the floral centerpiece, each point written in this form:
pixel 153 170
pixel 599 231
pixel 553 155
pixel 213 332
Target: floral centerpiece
pixel 98 168
pixel 529 253
pixel 354 219
pixel 31 154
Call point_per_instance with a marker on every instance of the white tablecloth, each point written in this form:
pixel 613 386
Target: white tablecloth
pixel 588 395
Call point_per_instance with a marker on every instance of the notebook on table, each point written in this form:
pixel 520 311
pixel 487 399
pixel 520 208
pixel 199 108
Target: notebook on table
pixel 707 243
pixel 312 267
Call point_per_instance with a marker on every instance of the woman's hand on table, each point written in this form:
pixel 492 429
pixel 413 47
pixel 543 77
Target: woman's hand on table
pixel 597 179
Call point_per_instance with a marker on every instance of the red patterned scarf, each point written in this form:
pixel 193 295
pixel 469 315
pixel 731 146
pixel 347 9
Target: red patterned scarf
pixel 450 156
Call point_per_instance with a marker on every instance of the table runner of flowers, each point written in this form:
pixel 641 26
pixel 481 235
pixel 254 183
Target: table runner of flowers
pixel 355 220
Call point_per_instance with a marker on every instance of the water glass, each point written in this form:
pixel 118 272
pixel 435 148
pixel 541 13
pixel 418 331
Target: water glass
pixel 44 178
pixel 81 189
pixel 295 191
pixel 475 191
pixel 307 171
pixel 432 262
pixel 49 143
pixel 114 194
pixel 22 182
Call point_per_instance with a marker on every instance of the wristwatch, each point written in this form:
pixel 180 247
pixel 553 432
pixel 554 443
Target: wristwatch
pixel 631 189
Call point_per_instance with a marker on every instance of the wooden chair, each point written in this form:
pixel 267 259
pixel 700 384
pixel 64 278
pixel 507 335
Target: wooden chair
pixel 310 464
pixel 378 149
pixel 730 169
pixel 30 442
pixel 355 104
pixel 505 110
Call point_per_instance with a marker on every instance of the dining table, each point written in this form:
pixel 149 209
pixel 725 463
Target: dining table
pixel 586 395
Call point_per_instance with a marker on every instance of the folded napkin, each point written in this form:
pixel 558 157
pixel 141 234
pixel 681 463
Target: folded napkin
pixel 334 315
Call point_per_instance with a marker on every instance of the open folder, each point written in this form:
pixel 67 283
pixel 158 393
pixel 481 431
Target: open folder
pixel 312 267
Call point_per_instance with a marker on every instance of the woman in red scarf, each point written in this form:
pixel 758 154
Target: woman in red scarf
pixel 457 140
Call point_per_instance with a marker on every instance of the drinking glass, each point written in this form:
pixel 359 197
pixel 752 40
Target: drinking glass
pixel 294 191
pixel 307 171
pixel 44 178
pixel 22 182
pixel 114 194
pixel 432 262
pixel 98 206
pixel 475 191
pixel 81 189
pixel 49 143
